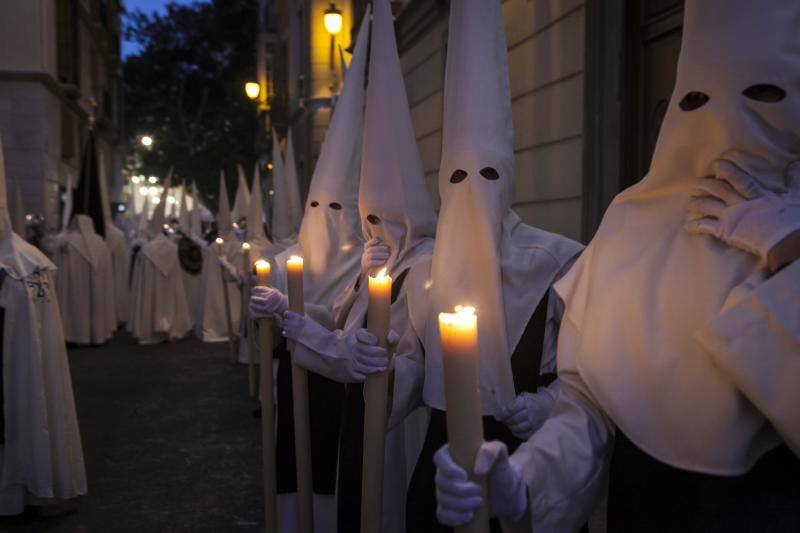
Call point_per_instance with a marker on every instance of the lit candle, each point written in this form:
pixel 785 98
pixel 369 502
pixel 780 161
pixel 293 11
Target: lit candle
pixel 267 408
pixel 459 341
pixel 302 429
pixel 263 269
pixel 376 398
pixel 231 343
pixel 246 325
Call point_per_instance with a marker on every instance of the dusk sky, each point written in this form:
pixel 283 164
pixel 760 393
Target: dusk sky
pixel 147 6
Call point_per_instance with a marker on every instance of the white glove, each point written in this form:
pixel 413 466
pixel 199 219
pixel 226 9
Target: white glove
pixel 734 208
pixel 458 498
pixel 344 357
pixel 375 255
pixel 267 301
pixel 526 413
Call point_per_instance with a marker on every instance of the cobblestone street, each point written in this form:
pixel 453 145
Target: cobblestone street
pixel 169 440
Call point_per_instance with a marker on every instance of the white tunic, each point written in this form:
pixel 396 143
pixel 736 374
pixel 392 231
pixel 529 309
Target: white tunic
pixel 159 310
pixel 42 457
pixel 85 284
pixel 121 261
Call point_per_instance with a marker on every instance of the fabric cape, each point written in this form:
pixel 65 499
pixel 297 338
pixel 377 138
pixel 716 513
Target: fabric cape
pixel 41 455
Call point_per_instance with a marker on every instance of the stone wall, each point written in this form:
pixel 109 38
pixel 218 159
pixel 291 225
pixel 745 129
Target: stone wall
pixel 546 49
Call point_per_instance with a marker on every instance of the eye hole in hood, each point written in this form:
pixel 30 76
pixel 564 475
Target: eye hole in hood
pixel 490 173
pixel 314 203
pixel 693 100
pixel 764 92
pixel 458 176
pixel 335 205
pixel 374 219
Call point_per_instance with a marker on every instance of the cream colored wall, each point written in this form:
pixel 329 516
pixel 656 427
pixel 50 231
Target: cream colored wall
pixel 546 40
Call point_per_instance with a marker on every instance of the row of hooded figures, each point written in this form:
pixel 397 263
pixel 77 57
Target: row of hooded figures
pixel 659 365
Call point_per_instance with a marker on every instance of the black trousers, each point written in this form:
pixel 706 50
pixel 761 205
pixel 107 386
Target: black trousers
pixel 647 495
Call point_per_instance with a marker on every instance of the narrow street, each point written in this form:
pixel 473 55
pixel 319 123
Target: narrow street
pixel 169 440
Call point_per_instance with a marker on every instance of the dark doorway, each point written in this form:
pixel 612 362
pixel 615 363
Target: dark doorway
pixel 653 44
pixel 632 50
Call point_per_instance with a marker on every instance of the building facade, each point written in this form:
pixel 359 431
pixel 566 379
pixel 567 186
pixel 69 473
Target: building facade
pixel 590 81
pixel 59 73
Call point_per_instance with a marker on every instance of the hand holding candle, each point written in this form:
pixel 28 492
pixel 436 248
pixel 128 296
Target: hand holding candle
pixel 376 394
pixel 302 427
pixel 459 341
pixel 267 408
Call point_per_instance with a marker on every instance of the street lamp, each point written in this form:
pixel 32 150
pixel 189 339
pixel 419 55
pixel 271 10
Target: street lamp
pixel 252 90
pixel 147 141
pixel 333 19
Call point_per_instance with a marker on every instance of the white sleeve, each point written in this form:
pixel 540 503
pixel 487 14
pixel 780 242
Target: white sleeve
pixel 409 376
pixel 565 463
pixel 756 342
pixel 324 351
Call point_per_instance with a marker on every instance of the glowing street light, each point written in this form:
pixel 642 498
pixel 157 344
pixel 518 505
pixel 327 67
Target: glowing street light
pixel 147 141
pixel 252 90
pixel 333 19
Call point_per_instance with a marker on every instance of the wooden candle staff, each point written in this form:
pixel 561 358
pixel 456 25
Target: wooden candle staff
pixel 302 426
pixel 376 394
pixel 246 327
pixel 459 338
pixel 267 409
pixel 231 339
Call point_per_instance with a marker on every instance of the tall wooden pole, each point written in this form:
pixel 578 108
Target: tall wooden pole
pixel 302 426
pixel 266 384
pixel 376 397
pixel 247 326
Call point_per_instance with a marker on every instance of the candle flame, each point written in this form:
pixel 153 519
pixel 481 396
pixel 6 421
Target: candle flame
pixel 262 264
pixel 295 259
pixel 245 247
pixel 220 241
pixel 463 315
pixel 381 273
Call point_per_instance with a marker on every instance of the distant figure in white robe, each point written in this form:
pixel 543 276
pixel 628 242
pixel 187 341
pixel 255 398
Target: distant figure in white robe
pixel 85 284
pixel 41 457
pixel 159 311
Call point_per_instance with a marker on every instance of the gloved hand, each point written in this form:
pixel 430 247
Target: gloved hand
pixel 343 357
pixel 368 357
pixel 458 498
pixel 736 209
pixel 526 413
pixel 267 301
pixel 375 255
pixel 293 325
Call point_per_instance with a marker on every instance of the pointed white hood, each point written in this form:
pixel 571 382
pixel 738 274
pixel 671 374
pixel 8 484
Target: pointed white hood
pixel 159 215
pixel 330 235
pixel 393 201
pixel 645 286
pixel 224 222
pixel 143 216
pixel 484 256
pixel 18 220
pixel 17 258
pixel 184 219
pixel 196 224
pixel 241 204
pixel 255 218
pixel 287 210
